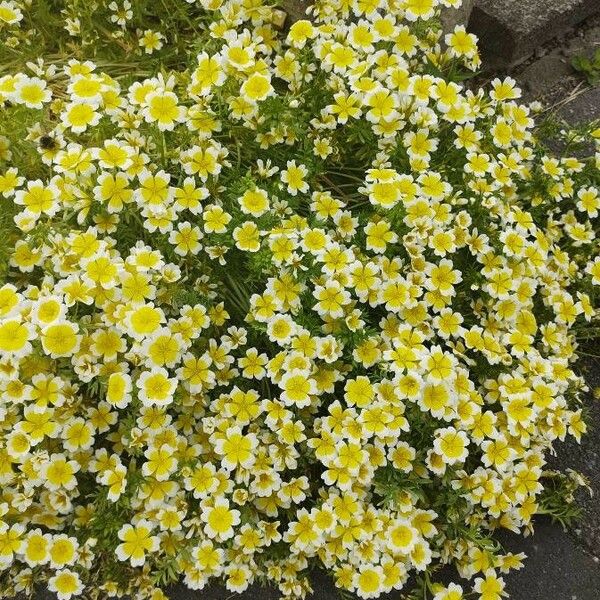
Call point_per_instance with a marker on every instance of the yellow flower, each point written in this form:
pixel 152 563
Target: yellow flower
pixel 60 472
pixel 220 519
pixel 154 188
pixel 359 391
pixel 215 219
pixel 151 41
pixel 436 398
pixel 79 116
pixel 163 348
pixel 207 74
pixel 114 190
pixel 9 181
pixel 451 445
pixel 137 541
pixel 202 161
pixel 297 388
pixel 77 434
pixel 379 235
pixel 202 481
pixel 116 480
pixel 236 449
pixel 256 88
pixel 156 388
pixel 254 202
pixel 118 392
pixel 11 541
pixel 504 90
pixel 38 199
pixel 369 581
pixel 144 320
pixel 60 339
pixel 196 372
pixel 332 299
pixel 247 237
pixel 419 9
pixel 300 32
pixel 63 551
pixel 452 592
pixel 31 91
pixel 461 43
pixel 163 109
pixel 9 13
pixel 401 536
pixel 65 584
pixel 160 462
pixel 489 587
pixel 243 407
pixel 384 193
pixel 14 338
pixel 36 548
pixel 208 557
pixel 382 104
pixel 294 176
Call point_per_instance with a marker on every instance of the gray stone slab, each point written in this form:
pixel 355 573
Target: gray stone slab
pixel 585 458
pixel 584 107
pixel 510 30
pixel 543 74
pixel 584 43
pixel 557 568
pixel 451 17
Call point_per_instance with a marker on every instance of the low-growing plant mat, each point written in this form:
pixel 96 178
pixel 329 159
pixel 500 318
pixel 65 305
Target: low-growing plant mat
pixel 280 297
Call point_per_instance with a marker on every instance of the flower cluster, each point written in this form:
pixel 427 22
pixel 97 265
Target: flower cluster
pixel 276 298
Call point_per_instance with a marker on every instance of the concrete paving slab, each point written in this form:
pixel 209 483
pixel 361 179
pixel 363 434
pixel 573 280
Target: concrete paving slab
pixel 583 108
pixel 451 17
pixel 586 41
pixel 543 74
pixel 510 30
pixel 585 458
pixel 549 75
pixel 557 568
